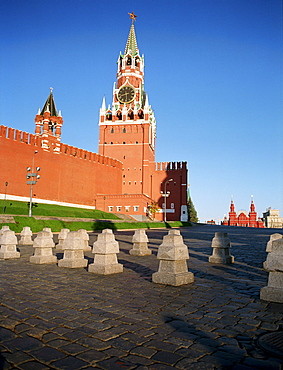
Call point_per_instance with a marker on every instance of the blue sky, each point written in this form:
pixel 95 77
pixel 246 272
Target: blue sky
pixel 213 74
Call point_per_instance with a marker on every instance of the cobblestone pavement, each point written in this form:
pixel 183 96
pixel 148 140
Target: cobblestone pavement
pixel 58 318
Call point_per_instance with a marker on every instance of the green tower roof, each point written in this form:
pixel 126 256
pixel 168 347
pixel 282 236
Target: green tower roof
pixel 50 104
pixel 131 45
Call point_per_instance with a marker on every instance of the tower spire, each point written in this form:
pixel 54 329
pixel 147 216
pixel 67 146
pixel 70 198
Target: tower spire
pixel 131 45
pixel 50 105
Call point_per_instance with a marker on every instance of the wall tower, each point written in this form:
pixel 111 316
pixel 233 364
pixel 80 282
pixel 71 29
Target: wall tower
pixel 48 123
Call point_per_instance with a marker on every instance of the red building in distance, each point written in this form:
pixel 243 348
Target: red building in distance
pixel 243 218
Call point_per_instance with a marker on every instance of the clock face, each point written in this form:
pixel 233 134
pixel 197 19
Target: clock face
pixel 126 94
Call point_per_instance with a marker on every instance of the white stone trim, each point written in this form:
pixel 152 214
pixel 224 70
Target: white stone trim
pixel 38 200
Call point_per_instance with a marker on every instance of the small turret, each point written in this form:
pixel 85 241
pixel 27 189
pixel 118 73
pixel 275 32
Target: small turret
pixel 48 124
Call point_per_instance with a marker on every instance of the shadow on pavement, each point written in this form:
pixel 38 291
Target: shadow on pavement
pixel 143 271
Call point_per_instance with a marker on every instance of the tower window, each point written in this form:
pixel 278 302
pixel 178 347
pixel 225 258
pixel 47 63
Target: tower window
pixel 124 130
pixel 124 142
pixel 140 114
pixel 112 130
pixel 111 142
pixel 109 116
pixel 119 116
pixel 131 115
pixel 129 61
pixel 137 142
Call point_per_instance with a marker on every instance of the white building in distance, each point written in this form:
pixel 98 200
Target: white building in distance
pixel 272 219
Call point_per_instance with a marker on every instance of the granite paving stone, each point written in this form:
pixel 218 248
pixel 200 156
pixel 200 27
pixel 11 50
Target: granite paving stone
pixel 165 357
pixel 73 348
pixel 52 318
pixel 91 356
pixel 58 343
pixel 69 362
pixel 33 365
pixel 94 343
pixel 143 351
pixel 47 354
pixel 115 352
pixel 17 357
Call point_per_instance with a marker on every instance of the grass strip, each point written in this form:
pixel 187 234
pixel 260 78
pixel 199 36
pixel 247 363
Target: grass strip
pixel 57 225
pixel 13 207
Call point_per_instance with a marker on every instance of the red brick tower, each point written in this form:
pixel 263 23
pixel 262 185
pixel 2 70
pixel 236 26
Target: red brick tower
pixel 48 123
pixel 128 126
pixel 252 215
pixel 232 215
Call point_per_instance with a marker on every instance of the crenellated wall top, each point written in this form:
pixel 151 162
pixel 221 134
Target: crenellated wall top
pixel 170 166
pixel 8 133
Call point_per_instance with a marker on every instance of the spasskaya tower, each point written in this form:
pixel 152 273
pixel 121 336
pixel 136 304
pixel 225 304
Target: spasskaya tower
pixel 127 132
pixel 128 126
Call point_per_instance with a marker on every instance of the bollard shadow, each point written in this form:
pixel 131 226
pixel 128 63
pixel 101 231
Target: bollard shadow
pixel 240 271
pixel 197 256
pixel 243 286
pixel 204 344
pixel 59 255
pixel 102 224
pixel 143 271
pixel 3 363
pixel 126 251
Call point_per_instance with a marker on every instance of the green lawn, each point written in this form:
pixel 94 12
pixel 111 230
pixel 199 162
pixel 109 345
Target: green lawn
pixel 104 220
pixel 13 207
pixel 57 225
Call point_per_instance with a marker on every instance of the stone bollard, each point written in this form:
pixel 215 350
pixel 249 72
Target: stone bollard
pixel 273 292
pixel 105 251
pixel 48 230
pixel 43 245
pixel 140 241
pixel 73 247
pixel 61 237
pixel 173 255
pixel 4 228
pixel 269 244
pixel 26 235
pixel 221 249
pixel 85 238
pixel 8 243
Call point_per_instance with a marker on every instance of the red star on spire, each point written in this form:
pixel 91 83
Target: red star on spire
pixel 132 16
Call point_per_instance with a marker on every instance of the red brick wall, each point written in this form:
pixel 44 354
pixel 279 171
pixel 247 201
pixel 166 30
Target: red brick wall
pixel 73 176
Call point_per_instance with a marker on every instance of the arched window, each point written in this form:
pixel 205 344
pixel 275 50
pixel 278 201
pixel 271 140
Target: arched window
pixel 112 130
pixel 131 115
pixel 129 61
pixel 140 114
pixel 108 116
pixel 119 116
pixel 124 130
